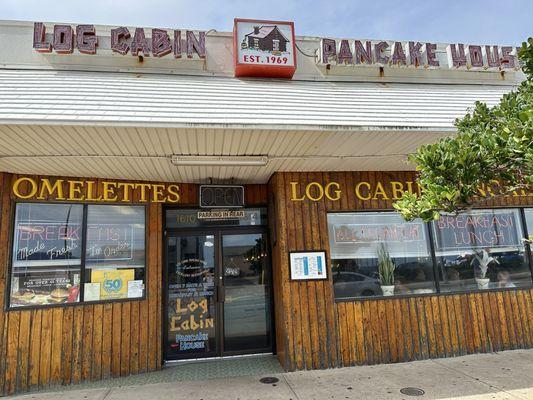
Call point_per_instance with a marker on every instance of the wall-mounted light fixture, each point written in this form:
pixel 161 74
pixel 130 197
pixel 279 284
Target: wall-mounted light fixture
pixel 220 161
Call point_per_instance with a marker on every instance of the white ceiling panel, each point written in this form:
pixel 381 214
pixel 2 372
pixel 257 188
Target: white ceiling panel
pixel 145 153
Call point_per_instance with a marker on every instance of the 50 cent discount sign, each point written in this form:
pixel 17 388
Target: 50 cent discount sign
pixel 264 48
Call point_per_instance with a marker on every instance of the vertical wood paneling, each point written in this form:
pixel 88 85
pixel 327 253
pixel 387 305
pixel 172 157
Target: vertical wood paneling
pixel 107 339
pixel 72 344
pixel 56 361
pixel 63 345
pixel 24 350
pixel 97 333
pixel 66 349
pixel 374 331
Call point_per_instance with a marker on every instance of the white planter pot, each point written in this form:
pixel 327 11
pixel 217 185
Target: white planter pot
pixel 482 283
pixel 388 290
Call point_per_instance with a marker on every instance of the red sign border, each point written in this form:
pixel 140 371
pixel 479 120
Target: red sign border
pixel 264 71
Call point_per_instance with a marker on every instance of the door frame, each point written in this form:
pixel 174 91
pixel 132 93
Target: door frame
pixel 217 231
pixel 261 229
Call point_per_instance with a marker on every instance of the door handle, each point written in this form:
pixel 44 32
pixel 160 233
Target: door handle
pixel 222 293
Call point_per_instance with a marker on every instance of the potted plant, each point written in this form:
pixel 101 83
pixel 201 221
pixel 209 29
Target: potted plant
pixel 386 269
pixel 484 259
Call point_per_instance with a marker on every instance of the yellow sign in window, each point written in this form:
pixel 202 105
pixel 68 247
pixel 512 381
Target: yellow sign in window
pixel 113 283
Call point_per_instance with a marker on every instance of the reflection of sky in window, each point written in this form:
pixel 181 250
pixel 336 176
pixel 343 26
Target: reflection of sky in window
pixel 189 247
pixel 529 221
pixel 47 234
pixel 379 224
pixel 126 225
pixel 49 212
pixel 478 229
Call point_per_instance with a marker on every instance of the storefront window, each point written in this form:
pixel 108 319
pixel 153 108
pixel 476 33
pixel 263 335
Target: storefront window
pixel 481 249
pixel 46 263
pixel 115 254
pixel 378 253
pixel 529 224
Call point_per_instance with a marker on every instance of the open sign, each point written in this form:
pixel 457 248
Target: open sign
pixel 221 196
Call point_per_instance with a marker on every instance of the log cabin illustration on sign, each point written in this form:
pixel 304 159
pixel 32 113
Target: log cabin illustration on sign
pixel 267 38
pixel 264 48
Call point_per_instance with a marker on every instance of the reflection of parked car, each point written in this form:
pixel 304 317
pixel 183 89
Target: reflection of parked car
pixel 352 284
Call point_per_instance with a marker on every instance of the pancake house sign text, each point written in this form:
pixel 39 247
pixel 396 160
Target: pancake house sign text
pixel 347 52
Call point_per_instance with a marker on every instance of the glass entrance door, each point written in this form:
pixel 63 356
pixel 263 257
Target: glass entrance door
pixel 217 293
pixel 246 305
pixel 191 305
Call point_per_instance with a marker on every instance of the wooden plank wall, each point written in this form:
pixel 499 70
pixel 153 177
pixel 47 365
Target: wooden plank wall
pixel 312 331
pixel 71 344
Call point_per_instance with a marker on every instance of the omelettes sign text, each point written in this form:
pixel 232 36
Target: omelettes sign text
pixel 26 188
pixel 416 54
pixel 84 38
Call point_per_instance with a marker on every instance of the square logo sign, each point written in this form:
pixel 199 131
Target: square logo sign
pixel 264 48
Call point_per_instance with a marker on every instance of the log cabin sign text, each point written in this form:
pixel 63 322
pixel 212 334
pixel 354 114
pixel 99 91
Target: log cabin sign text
pixel 158 42
pixel 347 52
pixel 368 191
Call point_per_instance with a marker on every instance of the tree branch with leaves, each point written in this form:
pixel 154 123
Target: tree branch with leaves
pixel 493 148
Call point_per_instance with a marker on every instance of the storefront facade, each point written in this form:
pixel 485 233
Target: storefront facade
pixel 160 209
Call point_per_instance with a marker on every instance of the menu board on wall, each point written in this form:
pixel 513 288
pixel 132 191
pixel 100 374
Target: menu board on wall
pixel 46 243
pixel 308 265
pixel 476 230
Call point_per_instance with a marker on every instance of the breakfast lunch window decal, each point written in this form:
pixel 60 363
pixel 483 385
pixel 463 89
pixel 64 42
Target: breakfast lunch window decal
pixel 48 266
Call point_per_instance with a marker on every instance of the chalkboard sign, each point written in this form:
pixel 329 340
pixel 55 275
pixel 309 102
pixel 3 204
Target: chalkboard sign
pixel 221 196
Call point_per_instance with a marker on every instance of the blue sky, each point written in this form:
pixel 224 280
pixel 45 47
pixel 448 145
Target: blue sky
pixel 468 21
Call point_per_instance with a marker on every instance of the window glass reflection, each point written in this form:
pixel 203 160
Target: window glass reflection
pixel 378 253
pixel 47 243
pixel 481 249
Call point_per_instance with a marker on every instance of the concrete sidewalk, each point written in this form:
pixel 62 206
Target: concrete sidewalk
pixel 506 375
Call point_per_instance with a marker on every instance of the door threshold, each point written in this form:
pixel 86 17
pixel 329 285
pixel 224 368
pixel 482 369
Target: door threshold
pixel 189 360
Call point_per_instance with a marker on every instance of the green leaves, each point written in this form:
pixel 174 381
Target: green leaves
pixel 493 148
pixel 386 266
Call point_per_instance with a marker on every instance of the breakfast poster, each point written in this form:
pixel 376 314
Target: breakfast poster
pixel 47 288
pixel 113 282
